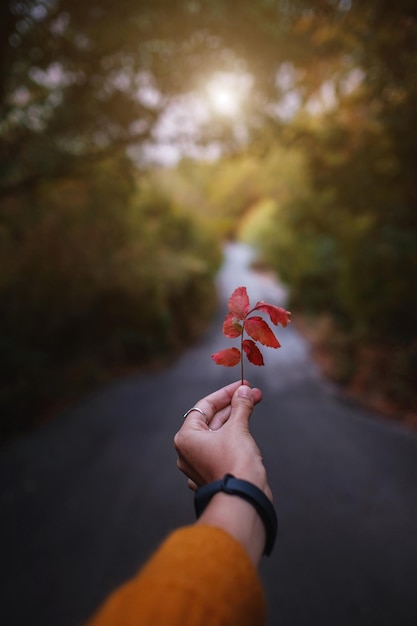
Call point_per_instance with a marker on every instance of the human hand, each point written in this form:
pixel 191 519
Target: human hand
pixel 219 441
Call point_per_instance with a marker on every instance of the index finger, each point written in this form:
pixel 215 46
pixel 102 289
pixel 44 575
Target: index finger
pixel 216 404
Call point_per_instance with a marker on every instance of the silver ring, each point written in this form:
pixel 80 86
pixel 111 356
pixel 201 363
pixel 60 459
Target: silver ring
pixel 196 408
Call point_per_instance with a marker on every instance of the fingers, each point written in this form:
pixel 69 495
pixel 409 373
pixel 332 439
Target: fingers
pixel 243 395
pixel 242 405
pixel 216 403
pixel 203 453
pixel 257 395
pixel 219 400
pixel 199 418
pixel 217 407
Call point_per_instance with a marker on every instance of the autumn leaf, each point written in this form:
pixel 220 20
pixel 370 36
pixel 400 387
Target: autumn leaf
pixel 259 330
pixel 239 303
pixel 228 357
pixel 240 320
pixel 277 314
pixel 231 326
pixel 252 352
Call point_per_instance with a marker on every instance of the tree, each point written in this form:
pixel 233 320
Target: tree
pixel 79 82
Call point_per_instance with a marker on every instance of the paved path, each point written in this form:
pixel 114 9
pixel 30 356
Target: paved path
pixel 85 500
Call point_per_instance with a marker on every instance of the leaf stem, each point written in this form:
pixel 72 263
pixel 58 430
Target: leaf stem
pixel 241 356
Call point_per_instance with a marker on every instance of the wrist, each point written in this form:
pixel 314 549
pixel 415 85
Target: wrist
pixel 256 476
pixel 238 519
pixel 249 493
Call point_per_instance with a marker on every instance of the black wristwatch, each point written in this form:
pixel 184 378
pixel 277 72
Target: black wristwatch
pixel 249 492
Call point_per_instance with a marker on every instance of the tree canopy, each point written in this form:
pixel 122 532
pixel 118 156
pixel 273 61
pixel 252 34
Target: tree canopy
pixel 333 89
pixel 81 79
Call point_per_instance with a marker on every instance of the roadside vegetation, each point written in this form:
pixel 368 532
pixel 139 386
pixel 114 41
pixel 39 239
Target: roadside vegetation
pixel 343 246
pixel 106 263
pixel 119 278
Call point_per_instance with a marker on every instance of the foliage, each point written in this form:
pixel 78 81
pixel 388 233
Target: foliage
pixel 239 320
pixel 102 283
pixel 345 241
pixel 256 223
pixel 220 191
pixel 327 191
pixel 228 193
pixel 73 86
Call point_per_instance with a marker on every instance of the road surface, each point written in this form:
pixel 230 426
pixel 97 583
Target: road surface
pixel 86 499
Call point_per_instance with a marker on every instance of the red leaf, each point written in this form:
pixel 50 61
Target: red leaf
pixel 252 352
pixel 259 330
pixel 231 326
pixel 228 357
pixel 277 314
pixel 239 303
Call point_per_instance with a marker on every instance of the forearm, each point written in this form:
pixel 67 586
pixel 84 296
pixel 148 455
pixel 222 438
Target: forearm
pixel 238 518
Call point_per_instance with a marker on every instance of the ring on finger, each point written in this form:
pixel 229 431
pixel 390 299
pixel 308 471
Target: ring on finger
pixel 196 408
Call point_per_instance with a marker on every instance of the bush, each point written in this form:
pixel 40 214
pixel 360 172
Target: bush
pixel 344 243
pixel 97 273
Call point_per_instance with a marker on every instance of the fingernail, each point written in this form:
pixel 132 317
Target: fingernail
pixel 244 392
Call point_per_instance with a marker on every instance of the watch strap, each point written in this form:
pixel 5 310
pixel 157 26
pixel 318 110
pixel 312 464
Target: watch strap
pixel 249 492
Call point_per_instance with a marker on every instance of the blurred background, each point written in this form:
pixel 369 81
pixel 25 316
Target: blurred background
pixel 154 155
pixel 137 137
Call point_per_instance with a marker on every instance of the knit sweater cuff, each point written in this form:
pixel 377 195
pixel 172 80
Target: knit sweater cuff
pixel 200 575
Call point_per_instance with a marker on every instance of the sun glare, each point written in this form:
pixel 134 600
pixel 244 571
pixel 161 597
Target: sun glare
pixel 226 92
pixel 223 99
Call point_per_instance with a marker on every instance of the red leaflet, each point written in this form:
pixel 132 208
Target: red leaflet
pixel 228 357
pixel 239 320
pixel 260 331
pixel 252 352
pixel 277 314
pixel 239 303
pixel 231 326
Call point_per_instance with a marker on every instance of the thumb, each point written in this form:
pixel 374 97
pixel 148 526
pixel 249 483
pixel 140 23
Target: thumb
pixel 242 405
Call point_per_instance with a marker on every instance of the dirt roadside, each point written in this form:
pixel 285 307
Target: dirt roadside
pixel 360 376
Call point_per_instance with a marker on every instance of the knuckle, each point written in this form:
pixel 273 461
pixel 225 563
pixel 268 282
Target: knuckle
pixel 245 403
pixel 177 441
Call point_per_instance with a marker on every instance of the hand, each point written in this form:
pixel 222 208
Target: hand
pixel 209 448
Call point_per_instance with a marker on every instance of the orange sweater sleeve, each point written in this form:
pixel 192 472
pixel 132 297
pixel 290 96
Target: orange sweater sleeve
pixel 200 576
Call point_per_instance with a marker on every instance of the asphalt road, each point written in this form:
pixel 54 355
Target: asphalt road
pixel 85 500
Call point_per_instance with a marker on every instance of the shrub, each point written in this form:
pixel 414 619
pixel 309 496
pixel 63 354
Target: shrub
pixel 97 273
